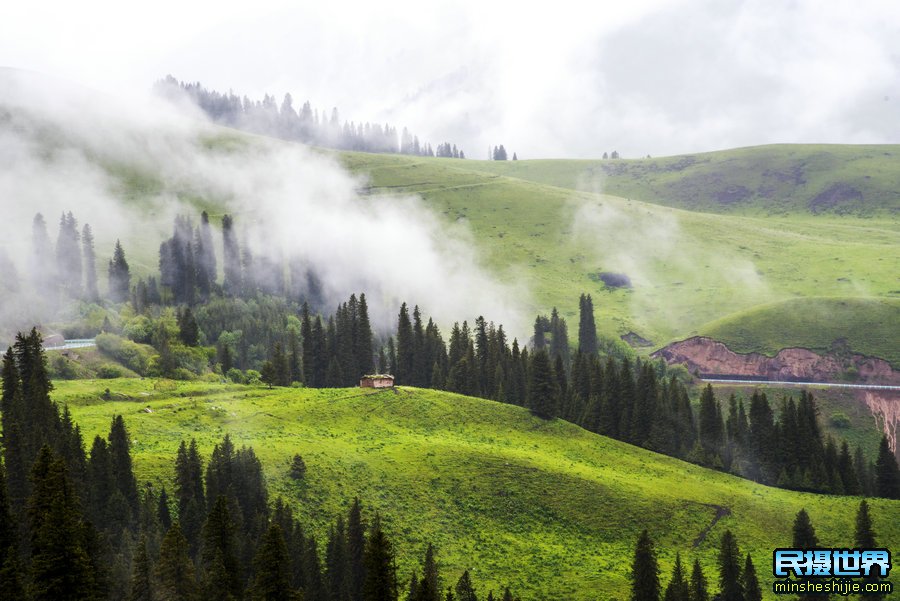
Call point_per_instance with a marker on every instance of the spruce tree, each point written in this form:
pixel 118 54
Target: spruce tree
pixel 431 576
pixel 864 538
pixel 542 386
pixel 405 348
pixel 141 575
pixel 587 328
pixel 380 583
pixel 91 291
pixel 804 537
pixel 465 591
pixel 678 588
pixel 219 547
pixel 699 590
pixel 120 464
pixel 42 265
pixel 68 256
pixel 175 570
pixel 232 258
pixel 119 276
pixel 887 474
pixel 272 568
pixel 356 549
pixel 752 591
pixel 10 579
pixel 644 571
pixel 803 532
pixel 61 567
pixel 730 583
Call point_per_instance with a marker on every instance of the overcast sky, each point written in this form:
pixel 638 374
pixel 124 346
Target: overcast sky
pixel 565 79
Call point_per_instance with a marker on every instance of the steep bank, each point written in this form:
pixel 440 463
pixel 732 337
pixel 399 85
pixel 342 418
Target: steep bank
pixel 709 357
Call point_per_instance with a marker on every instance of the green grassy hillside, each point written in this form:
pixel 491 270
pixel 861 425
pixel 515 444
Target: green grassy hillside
pixel 687 268
pixel 869 326
pixel 777 179
pixel 545 507
pixel 544 228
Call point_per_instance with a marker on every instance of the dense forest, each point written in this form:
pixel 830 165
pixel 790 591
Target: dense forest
pixel 268 322
pixel 78 525
pixel 305 124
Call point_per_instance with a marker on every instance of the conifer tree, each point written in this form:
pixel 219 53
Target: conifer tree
pixel 750 582
pixel 380 583
pixel 542 386
pixel 232 258
pixel 175 570
pixel 405 348
pixel 163 513
pixel 587 328
pixel 120 464
pixel 272 568
pixel 119 276
pixel 644 571
pixel 864 538
pixel 42 266
pixel 356 548
pixel 699 590
pixel 465 591
pixel 431 576
pixel 219 547
pixel 803 531
pixel 91 291
pixel 730 584
pixel 61 567
pixel 10 579
pixel 68 255
pixel 141 576
pixel 887 474
pixel 678 588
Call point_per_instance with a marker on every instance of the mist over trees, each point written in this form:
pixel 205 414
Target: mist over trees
pixel 305 124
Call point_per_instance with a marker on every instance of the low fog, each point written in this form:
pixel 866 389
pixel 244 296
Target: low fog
pixel 65 148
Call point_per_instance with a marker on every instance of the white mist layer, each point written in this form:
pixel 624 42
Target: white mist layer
pixel 66 149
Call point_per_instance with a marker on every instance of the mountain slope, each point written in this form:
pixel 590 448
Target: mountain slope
pixel 687 268
pixel 777 179
pixel 544 507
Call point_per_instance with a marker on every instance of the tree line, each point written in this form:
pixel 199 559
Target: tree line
pixel 305 124
pixel 76 524
pixel 737 579
pixel 271 317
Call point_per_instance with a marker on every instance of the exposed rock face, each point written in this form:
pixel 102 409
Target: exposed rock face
pixel 712 358
pixel 885 406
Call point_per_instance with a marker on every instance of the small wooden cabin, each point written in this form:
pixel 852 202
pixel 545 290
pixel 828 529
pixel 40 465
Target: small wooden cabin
pixel 377 381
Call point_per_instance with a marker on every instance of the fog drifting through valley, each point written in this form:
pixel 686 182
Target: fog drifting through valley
pixel 129 169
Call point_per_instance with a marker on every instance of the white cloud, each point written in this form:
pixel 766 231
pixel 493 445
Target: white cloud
pixel 567 79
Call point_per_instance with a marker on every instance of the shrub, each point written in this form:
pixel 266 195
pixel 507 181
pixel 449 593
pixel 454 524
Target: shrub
pixel 108 371
pixel 839 419
pixel 236 376
pixel 181 373
pixel 62 369
pixel 130 354
pixel 298 468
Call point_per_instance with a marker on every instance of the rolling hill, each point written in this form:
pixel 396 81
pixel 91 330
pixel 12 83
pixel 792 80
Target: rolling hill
pixel 746 228
pixel 545 507
pixel 761 180
pixel 686 268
